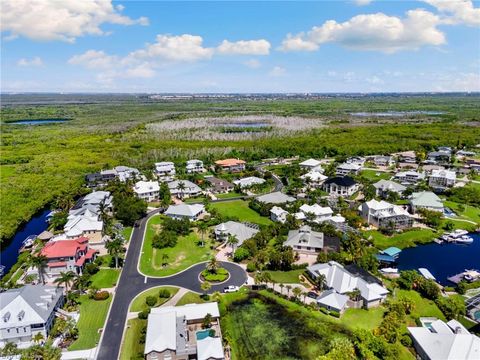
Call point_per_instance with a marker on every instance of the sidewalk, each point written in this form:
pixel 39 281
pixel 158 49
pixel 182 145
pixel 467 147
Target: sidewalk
pixel 79 354
pixel 171 302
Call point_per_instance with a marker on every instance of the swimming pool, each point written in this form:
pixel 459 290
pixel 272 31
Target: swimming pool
pixel 202 334
pixel 476 315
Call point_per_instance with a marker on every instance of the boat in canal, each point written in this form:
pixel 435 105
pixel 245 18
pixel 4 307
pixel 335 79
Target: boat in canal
pixel 457 236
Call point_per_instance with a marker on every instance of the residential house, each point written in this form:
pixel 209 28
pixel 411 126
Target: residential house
pixel 313 178
pixel 383 160
pixel 473 164
pixel 348 169
pixel 93 202
pixel 231 165
pixel 28 311
pixel 305 240
pixel 219 186
pixel 195 166
pixel 438 157
pixel 385 215
pixel 192 212
pixel 165 170
pixel 463 153
pixel 311 164
pixel 248 182
pixel 122 173
pixel 442 179
pixel 177 333
pixel 357 160
pixel 409 177
pixel 429 168
pixel 316 212
pixel 276 198
pixel 184 189
pixel 341 186
pixel 407 166
pixel 437 340
pixel 425 200
pixel 278 214
pixel 242 231
pixel 147 190
pixel 344 281
pixel 67 255
pixel 384 187
pixel 406 157
pixel 333 301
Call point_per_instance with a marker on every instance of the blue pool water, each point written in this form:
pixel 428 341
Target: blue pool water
pixel 443 260
pixel 38 122
pixel 202 334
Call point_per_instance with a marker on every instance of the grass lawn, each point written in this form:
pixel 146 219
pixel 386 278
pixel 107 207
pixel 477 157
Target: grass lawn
pixel 131 347
pixel 423 307
pixel 286 277
pixel 190 298
pixel 198 199
pixel 239 209
pixel 469 213
pixel 127 232
pixel 374 175
pixel 92 317
pixel 180 257
pixel 105 278
pixel 362 319
pixel 403 240
pixel 138 304
pixel 229 195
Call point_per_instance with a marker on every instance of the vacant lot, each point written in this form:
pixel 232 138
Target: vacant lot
pixel 239 209
pixel 138 304
pixel 403 240
pixel 105 278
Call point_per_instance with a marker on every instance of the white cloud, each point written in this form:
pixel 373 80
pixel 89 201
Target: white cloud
pixel 362 2
pixel 277 71
pixel 93 59
pixel 244 47
pixel 375 80
pixel 459 11
pixel 374 32
pixel 140 71
pixel 252 63
pixel 63 20
pixel 35 61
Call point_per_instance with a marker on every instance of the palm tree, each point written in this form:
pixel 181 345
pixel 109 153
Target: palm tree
pixel 105 217
pixel 354 295
pixel 38 338
pixel 164 259
pixel 217 296
pixel 115 248
pixel 296 292
pixel 81 283
pixel 213 265
pixel 181 187
pixel 321 282
pixel 232 240
pixel 281 288
pixel 202 229
pixel 304 294
pixel 289 287
pixel 65 278
pixel 267 277
pixel 39 262
pixel 205 287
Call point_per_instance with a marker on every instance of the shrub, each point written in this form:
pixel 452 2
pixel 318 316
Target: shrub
pixel 335 314
pixel 219 276
pixel 151 301
pixel 91 268
pixel 406 340
pixel 251 267
pixel 165 238
pixel 323 310
pixel 164 293
pixel 101 295
pixel 143 315
pixel 241 254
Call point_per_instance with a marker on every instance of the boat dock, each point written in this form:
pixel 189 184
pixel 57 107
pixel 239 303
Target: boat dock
pixel 462 276
pixel 426 274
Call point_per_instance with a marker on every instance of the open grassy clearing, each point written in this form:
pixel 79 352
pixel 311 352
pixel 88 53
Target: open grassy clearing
pixel 132 348
pixel 187 252
pixel 406 239
pixel 286 277
pixel 93 314
pixel 374 175
pixel 467 212
pixel 105 278
pixel 239 209
pixel 190 298
pixel 362 319
pixel 229 195
pixel 138 304
pixel 127 232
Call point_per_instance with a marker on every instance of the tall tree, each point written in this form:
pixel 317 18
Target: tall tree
pixel 213 265
pixel 181 189
pixel 39 262
pixel 232 240
pixel 321 282
pixel 114 248
pixel 66 278
pixel 164 195
pixel 202 229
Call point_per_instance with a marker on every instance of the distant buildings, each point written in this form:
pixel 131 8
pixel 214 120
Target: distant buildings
pixel 276 198
pixel 165 170
pixel 316 212
pixel 147 190
pixel 383 160
pixel 311 164
pixel 219 186
pixel 278 214
pixel 442 179
pixel 384 187
pixel 348 169
pixel 122 173
pixel 425 200
pixel 194 167
pixel 184 188
pixel 248 182
pixel 341 186
pixel 28 311
pixel 305 240
pixel 439 157
pixel 230 165
pixel 191 212
pixel 314 178
pixel 385 215
pixel 409 177
pixel 178 333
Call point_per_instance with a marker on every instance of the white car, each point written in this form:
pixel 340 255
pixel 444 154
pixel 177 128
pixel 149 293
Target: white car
pixel 230 289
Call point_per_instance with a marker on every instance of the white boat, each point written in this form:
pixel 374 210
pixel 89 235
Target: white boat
pixel 465 239
pixel 389 270
pixel 459 235
pixel 28 242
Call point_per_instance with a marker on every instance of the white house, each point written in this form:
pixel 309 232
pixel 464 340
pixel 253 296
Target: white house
pixel 87 224
pixel 442 179
pixel 195 166
pixel 425 200
pixel 276 197
pixel 305 240
pixel 177 333
pixel 348 169
pixel 147 190
pixel 184 188
pixel 319 213
pixel 248 181
pixel 383 160
pixel 27 311
pixel 165 170
pixel 311 164
pixel 332 300
pixel 314 178
pixel 385 215
pixel 242 231
pixel 409 177
pixel 383 187
pixel 278 214
pixel 340 186
pixel 192 212
pixel 343 281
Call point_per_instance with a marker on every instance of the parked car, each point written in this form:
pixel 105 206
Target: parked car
pixel 230 289
pixel 312 294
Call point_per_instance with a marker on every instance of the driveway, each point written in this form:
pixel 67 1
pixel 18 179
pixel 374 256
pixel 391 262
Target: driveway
pixel 132 283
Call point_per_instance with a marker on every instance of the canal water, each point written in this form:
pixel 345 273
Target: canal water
pixel 442 260
pixel 35 226
pixel 37 122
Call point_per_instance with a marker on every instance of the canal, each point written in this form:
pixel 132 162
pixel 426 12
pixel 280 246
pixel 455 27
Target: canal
pixel 35 226
pixel 443 260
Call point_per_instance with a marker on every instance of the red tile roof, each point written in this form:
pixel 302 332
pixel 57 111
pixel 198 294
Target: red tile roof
pixel 80 261
pixel 57 264
pixel 229 162
pixel 64 248
pixel 90 253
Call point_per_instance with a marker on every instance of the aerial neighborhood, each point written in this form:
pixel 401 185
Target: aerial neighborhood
pixel 325 234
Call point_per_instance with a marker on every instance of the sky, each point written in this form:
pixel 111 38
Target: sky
pixel 240 47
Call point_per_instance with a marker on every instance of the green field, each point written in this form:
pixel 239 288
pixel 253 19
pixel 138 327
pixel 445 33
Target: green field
pixel 229 195
pixel 362 319
pixel 469 212
pixel 403 240
pixel 187 252
pixel 105 278
pixel 239 209
pixel 131 347
pixel 138 304
pixel 374 176
pixel 92 318
pixel 190 298
pixel 127 232
pixel 286 277
pixel 423 307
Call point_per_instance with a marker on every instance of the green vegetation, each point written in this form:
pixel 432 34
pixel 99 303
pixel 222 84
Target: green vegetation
pixel 422 307
pixel 467 212
pixel 170 260
pixel 132 346
pixel 105 278
pixel 362 319
pixel 229 195
pixel 138 304
pixel 406 239
pixel 239 209
pixel 127 232
pixel 374 176
pixel 190 298
pixel 93 314
pixel 218 276
pixel 286 277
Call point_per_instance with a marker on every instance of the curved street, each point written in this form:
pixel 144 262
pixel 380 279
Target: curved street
pixel 132 283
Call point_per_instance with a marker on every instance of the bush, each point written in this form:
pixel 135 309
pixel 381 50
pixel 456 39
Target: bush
pixel 91 268
pixel 101 295
pixel 165 238
pixel 251 267
pixel 164 293
pixel 335 313
pixel 151 301
pixel 143 315
pixel 406 340
pixel 323 310
pixel 241 254
pixel 219 276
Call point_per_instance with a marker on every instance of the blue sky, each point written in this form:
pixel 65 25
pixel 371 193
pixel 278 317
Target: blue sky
pixel 274 46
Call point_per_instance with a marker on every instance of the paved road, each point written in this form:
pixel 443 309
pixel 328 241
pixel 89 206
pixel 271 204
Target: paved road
pixel 132 283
